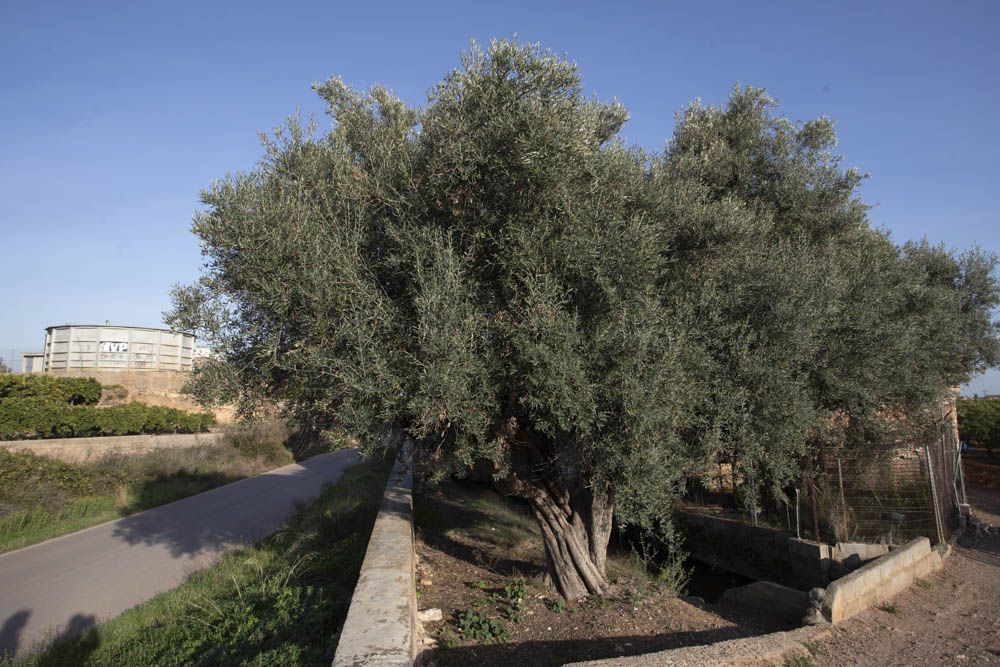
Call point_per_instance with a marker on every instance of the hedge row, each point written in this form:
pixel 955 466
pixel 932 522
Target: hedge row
pixel 38 418
pixel 77 391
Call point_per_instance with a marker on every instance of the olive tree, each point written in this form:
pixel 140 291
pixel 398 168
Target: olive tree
pixel 497 275
pixel 818 325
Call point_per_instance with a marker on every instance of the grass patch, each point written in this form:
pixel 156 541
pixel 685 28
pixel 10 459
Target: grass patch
pixel 42 498
pixel 496 521
pixel 280 602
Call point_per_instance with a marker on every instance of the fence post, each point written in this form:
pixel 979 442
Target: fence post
pixel 812 497
pixel 843 503
pixel 934 495
pixel 798 533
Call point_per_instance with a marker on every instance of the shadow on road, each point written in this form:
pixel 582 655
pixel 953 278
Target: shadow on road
pixel 70 645
pixel 77 640
pixel 10 633
pixel 209 521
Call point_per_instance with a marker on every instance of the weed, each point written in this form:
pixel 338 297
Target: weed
pixel 474 625
pixel 447 637
pixel 263 439
pixel 889 608
pixel 924 583
pixel 799 661
pixel 556 605
pixel 516 593
pixel 596 602
pixel 514 614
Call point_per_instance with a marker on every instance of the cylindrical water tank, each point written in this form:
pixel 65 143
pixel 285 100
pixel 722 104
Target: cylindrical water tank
pixel 115 348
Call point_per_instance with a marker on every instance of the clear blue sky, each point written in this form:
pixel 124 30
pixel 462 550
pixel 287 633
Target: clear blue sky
pixel 115 115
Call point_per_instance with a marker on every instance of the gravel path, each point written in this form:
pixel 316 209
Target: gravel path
pixel 952 618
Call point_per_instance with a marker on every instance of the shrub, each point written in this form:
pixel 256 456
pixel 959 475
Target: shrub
pixel 263 439
pixel 46 418
pixel 73 390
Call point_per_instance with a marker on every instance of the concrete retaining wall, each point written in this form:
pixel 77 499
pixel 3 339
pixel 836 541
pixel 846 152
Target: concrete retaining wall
pixel 81 450
pixel 756 552
pixel 880 579
pixel 381 623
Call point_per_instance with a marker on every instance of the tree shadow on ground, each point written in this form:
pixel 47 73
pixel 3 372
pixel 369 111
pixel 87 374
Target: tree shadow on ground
pixel 241 512
pixel 166 488
pixel 471 512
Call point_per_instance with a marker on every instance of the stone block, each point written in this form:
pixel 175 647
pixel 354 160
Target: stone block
pixel 809 549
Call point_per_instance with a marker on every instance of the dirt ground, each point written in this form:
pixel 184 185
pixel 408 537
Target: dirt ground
pixel 473 543
pixel 951 618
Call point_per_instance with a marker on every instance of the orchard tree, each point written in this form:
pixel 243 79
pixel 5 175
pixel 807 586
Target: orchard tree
pixel 483 273
pixel 819 326
pixel 498 276
pixel 979 422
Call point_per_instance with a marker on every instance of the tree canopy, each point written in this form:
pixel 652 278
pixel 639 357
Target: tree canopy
pixel 979 422
pixel 500 276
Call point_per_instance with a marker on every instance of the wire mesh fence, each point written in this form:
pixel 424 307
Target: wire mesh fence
pixel 889 493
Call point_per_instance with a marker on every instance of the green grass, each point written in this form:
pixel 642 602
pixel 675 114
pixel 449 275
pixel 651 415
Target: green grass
pixel 280 602
pixel 41 498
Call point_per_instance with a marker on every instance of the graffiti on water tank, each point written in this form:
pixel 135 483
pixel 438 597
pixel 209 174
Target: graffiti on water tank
pixel 112 346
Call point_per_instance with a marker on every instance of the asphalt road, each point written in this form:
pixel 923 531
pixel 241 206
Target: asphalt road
pixel 70 583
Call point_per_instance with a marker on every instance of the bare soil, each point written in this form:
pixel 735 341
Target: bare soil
pixel 472 543
pixel 951 618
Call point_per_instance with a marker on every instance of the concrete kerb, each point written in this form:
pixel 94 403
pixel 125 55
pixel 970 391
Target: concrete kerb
pixel 381 622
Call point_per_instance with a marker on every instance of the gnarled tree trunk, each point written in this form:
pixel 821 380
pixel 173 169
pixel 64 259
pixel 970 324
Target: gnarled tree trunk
pixel 575 522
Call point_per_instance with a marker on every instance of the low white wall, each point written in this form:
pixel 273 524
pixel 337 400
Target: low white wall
pixel 881 579
pixel 381 622
pixel 81 450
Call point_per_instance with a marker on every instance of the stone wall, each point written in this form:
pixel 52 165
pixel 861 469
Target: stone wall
pixel 81 450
